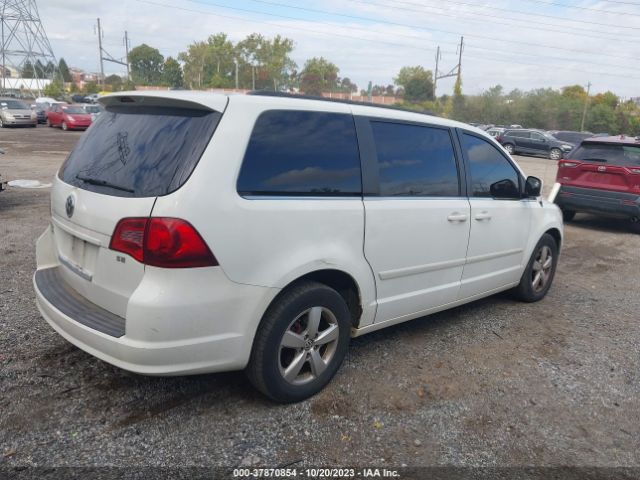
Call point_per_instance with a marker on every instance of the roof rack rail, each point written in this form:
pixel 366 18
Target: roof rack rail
pixel 271 93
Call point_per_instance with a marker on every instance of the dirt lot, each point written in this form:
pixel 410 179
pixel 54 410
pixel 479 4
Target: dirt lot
pixel 493 383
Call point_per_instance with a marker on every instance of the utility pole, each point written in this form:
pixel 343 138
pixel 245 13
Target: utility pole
pixel 460 60
pixel 126 48
pixel 584 111
pixel 435 77
pixel 454 72
pixel 101 79
pixel 235 60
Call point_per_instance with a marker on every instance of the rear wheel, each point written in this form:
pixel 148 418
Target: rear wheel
pixel 510 148
pixel 538 276
pixel 301 343
pixel 567 215
pixel 555 154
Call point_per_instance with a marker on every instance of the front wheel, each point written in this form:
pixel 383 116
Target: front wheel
pixel 538 276
pixel 65 127
pixel 555 154
pixel 510 148
pixel 301 343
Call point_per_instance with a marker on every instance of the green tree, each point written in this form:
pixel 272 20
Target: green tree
pixel 195 61
pixel 416 84
pixel 172 73
pixel 146 65
pixel 319 75
pixel 64 71
pixel 114 81
pixel 54 89
pixel 90 87
pixel 28 70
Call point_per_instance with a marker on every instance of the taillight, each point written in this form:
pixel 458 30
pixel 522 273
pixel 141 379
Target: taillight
pixel 635 170
pixel 564 163
pixel 162 242
pixel 128 237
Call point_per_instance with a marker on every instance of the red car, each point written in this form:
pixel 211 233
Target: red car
pixel 68 117
pixel 601 176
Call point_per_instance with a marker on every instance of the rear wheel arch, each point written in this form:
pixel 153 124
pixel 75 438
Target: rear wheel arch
pixel 340 281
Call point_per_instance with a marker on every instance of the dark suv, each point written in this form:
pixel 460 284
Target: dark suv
pixel 534 142
pixel 601 176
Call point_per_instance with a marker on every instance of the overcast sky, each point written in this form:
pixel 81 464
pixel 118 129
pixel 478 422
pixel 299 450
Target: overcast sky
pixel 521 44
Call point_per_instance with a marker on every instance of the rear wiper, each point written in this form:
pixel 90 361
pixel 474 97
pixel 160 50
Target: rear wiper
pixel 104 183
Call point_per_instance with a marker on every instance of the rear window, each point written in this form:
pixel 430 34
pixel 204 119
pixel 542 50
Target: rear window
pixel 140 151
pixel 623 155
pixel 302 153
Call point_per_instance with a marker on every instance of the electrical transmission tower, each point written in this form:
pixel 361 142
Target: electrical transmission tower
pixel 27 61
pixel 454 72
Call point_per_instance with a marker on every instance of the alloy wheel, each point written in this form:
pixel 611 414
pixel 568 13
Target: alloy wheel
pixel 541 271
pixel 555 154
pixel 308 345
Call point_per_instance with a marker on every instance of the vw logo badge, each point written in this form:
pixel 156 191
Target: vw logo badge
pixel 70 206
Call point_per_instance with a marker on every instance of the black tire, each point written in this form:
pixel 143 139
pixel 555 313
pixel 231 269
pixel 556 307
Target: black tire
pixel 265 369
pixel 555 154
pixel 510 148
pixel 567 215
pixel 525 291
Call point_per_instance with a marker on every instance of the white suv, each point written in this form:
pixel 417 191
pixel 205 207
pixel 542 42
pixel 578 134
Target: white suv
pixel 194 233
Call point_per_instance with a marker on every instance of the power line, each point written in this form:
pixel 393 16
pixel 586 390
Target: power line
pixel 589 8
pixel 509 22
pixel 555 47
pixel 332 34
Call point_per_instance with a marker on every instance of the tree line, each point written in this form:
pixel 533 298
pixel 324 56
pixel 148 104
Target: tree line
pixel 262 63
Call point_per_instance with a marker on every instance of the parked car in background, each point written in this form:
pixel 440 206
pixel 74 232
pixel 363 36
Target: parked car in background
pixel 93 109
pixel 68 117
pixel 601 176
pixel 41 113
pixel 495 131
pixel 571 137
pixel 210 233
pixel 16 113
pixel 536 142
pixel 93 98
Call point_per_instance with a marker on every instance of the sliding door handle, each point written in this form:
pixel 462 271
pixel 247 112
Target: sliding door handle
pixel 457 217
pixel 483 216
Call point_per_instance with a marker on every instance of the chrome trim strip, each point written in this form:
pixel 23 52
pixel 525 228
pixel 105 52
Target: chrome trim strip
pixel 75 268
pixel 75 233
pixel 431 267
pixel 491 256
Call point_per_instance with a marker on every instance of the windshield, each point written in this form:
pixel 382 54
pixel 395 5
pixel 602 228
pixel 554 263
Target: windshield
pixel 623 155
pixel 139 151
pixel 73 110
pixel 13 105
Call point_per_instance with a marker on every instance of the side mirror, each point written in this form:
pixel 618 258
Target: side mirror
pixel 505 189
pixel 532 187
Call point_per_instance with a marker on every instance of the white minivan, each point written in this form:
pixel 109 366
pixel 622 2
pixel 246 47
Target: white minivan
pixel 193 232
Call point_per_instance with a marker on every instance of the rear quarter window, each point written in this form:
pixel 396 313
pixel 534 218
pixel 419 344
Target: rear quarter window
pixel 140 151
pixel 307 153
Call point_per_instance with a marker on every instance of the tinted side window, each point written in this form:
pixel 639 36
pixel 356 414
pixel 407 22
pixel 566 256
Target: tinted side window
pixel 488 166
pixel 520 134
pixel 536 136
pixel 415 160
pixel 303 153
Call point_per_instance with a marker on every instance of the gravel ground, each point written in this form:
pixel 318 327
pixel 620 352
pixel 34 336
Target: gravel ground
pixel 493 383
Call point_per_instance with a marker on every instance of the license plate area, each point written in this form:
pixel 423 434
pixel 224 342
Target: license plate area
pixel 76 254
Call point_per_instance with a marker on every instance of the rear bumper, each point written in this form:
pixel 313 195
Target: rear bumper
pixel 598 201
pixel 177 322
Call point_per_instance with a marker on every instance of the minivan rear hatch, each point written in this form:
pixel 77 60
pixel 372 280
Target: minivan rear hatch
pixel 140 148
